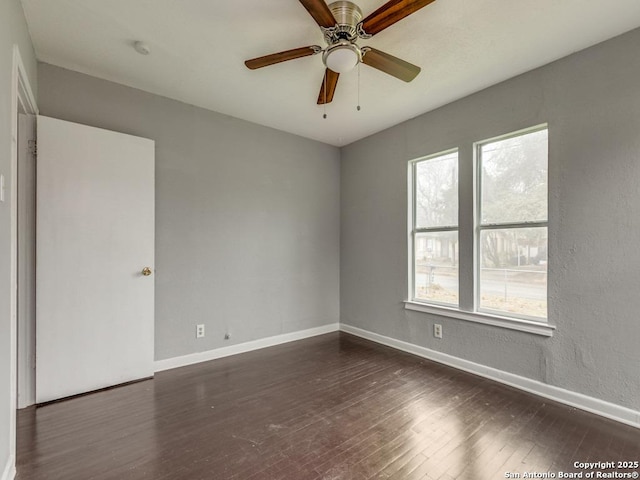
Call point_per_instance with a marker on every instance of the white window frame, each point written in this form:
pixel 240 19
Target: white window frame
pixel 535 326
pixel 413 231
pixel 480 227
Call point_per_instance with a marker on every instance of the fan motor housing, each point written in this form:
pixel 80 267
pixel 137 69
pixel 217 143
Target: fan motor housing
pixel 347 15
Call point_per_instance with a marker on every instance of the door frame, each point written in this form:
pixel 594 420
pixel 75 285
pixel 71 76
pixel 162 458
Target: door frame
pixel 21 97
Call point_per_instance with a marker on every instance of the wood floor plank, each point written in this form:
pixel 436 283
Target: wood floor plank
pixel 333 407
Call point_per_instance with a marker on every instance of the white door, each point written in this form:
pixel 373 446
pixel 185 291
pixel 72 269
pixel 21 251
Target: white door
pixel 95 235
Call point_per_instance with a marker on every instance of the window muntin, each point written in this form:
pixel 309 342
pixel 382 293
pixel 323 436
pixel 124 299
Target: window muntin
pixel 512 232
pixel 434 229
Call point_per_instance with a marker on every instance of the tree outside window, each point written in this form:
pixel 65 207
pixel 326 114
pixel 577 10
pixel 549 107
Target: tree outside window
pixel 513 228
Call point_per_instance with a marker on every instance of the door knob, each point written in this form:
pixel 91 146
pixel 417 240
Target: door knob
pixel 146 271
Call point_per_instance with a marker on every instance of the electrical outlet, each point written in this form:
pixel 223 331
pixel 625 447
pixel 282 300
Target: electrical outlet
pixel 437 330
pixel 200 330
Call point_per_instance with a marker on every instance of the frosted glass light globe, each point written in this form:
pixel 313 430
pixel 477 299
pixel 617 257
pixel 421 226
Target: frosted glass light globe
pixel 342 59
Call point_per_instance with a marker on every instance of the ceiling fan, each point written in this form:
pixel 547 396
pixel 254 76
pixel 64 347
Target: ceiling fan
pixel 341 24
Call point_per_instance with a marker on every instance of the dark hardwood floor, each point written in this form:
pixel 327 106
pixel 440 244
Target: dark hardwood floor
pixel 326 408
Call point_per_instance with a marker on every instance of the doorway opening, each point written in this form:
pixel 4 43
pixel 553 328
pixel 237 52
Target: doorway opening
pixel 26 261
pixel 23 109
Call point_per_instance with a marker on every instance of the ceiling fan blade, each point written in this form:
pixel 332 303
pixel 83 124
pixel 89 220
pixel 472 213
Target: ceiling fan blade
pixel 389 64
pixel 328 88
pixel 390 13
pixel 320 12
pixel 282 56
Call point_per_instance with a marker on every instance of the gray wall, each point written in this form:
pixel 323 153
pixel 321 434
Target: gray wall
pixel 591 101
pixel 247 217
pixel 13 30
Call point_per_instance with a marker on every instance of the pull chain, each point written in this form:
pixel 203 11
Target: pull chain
pixel 358 107
pixel 324 87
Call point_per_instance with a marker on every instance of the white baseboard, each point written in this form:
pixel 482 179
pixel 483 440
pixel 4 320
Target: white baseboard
pixel 567 397
pixel 192 358
pixel 9 472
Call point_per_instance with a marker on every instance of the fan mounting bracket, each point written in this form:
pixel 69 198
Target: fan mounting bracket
pixel 337 33
pixel 361 33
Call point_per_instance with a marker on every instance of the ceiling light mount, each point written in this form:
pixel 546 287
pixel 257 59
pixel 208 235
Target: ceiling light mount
pixel 142 48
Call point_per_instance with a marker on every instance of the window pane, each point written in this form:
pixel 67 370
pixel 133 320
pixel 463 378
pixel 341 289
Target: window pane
pixel 436 193
pixel 514 179
pixel 436 267
pixel 513 271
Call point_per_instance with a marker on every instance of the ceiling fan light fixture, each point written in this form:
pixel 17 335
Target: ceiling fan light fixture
pixel 341 24
pixel 342 57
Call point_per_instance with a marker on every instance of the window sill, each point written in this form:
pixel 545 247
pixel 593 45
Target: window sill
pixel 529 326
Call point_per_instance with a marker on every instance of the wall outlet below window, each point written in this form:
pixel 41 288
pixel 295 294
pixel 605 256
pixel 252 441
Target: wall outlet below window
pixel 200 330
pixel 437 330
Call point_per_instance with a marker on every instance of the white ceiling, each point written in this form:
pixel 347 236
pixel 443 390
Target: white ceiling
pixel 199 46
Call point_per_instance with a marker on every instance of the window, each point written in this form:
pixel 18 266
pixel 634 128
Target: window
pixel 512 225
pixel 434 229
pixel 504 253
